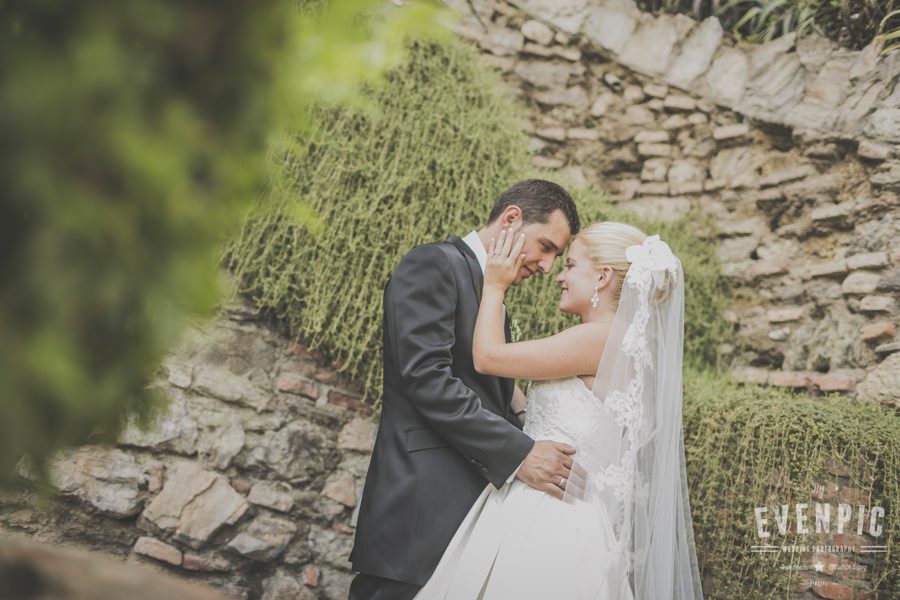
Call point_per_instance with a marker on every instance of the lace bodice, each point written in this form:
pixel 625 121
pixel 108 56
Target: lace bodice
pixel 563 410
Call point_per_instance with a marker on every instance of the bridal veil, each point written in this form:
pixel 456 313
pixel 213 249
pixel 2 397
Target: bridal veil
pixel 637 472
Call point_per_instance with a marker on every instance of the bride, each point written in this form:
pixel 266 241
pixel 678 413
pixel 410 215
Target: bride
pixel 611 387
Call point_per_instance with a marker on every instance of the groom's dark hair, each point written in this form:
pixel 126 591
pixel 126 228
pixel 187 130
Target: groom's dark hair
pixel 538 199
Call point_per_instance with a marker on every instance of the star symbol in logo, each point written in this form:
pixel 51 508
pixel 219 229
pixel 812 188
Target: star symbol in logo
pixel 819 566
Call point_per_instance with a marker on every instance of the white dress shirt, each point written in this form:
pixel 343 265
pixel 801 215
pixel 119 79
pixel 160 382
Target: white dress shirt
pixel 474 242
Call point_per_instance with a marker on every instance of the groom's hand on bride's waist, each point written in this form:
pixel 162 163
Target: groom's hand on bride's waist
pixel 549 468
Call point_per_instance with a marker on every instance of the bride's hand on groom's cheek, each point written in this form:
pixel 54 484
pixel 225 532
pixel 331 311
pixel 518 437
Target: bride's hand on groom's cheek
pixel 505 258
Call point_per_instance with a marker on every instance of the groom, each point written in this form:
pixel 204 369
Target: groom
pixel 446 430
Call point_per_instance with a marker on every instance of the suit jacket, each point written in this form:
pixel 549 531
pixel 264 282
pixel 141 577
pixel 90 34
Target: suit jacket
pixel 445 429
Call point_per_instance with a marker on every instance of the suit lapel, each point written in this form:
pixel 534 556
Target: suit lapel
pixel 471 262
pixel 506 384
pixel 477 276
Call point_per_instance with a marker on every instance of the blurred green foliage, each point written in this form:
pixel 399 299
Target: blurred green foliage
pixel 134 138
pixel 851 23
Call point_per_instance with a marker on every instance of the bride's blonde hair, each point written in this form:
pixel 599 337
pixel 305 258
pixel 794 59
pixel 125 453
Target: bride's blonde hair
pixel 606 242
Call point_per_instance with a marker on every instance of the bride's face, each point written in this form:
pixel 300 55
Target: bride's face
pixel 577 280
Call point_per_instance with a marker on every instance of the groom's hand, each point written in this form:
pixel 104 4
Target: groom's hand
pixel 548 467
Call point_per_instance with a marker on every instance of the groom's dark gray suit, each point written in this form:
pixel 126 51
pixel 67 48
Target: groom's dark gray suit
pixel 446 430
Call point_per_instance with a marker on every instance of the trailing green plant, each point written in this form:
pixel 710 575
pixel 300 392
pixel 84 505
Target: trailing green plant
pixel 444 137
pixel 851 23
pixel 751 446
pixel 134 139
pixel 888 36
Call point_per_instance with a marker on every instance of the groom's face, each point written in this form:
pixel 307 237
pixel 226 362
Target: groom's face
pixel 543 243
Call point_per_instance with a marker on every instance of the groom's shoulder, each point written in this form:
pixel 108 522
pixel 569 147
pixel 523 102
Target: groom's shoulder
pixel 438 254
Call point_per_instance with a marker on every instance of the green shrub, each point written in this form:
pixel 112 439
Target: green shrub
pixel 749 446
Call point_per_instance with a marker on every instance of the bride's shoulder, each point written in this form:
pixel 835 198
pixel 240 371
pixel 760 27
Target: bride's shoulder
pixel 590 329
pixel 588 338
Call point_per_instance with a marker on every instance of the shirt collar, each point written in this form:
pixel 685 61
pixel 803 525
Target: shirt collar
pixel 474 242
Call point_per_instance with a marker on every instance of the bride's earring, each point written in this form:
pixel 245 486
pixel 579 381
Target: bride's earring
pixel 595 299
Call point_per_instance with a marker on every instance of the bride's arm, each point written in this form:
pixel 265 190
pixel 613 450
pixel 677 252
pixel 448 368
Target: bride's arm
pixel 574 351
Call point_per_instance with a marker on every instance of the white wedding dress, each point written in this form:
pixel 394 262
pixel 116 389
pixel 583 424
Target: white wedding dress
pixel 519 543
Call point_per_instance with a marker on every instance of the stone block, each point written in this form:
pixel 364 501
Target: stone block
pixel 664 150
pixel 653 188
pixel 196 504
pixel 655 169
pixel 293 383
pixel 649 50
pixel 154 548
pixel 341 487
pixel 601 104
pixel 502 41
pixel 728 75
pixel 786 175
pixel 730 132
pixel 554 134
pixel 785 314
pixel 860 282
pixel 697 53
pixel 609 28
pixel 567 16
pixel 878 332
pixel 583 134
pixel 543 74
pixel 833 382
pixel 868 260
pixel 656 90
pixel 574 96
pixel 358 435
pixel 875 151
pixel 209 563
pixel 107 479
pixel 537 31
pixel 283 585
pixel 675 122
pixel 679 102
pixel 884 123
pixel 272 494
pixel 877 304
pixel 264 538
pixel 828 269
pixel 652 137
pixel 219 382
pixel 835 216
pixel 793 379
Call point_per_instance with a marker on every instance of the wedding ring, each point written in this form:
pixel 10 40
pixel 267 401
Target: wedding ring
pixel 561 481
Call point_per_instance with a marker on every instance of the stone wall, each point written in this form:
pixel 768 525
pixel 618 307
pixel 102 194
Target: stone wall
pixel 792 146
pixel 808 83
pixel 247 482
